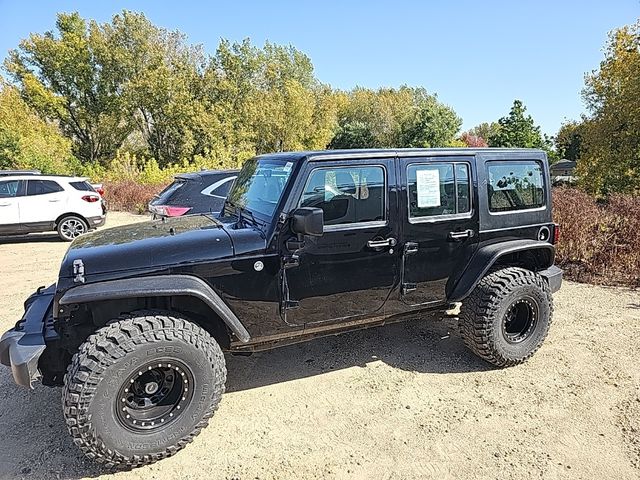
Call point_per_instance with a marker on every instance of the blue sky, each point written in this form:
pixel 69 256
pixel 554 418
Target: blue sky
pixel 477 56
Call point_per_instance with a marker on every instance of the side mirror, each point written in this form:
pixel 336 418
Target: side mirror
pixel 308 221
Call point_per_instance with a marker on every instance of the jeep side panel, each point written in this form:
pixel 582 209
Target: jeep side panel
pixel 348 272
pixel 515 225
pixel 439 218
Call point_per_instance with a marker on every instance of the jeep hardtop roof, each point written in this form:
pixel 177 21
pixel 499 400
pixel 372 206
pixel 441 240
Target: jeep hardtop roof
pixel 317 155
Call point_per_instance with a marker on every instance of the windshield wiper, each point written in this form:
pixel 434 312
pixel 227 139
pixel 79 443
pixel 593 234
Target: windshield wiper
pixel 248 215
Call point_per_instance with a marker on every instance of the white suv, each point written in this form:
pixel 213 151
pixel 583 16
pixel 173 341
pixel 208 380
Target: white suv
pixel 41 203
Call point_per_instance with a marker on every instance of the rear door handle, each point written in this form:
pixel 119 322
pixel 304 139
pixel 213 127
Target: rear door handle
pixel 461 235
pixel 387 242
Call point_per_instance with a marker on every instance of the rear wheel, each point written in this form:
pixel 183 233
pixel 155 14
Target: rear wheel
pixel 141 388
pixel 71 227
pixel 507 316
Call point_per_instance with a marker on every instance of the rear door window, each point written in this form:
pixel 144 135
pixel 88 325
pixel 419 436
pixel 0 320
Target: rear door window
pixel 42 187
pixel 9 189
pixel 438 190
pixel 513 186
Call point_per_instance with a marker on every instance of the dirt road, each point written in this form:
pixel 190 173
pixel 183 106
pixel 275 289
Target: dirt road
pixel 397 402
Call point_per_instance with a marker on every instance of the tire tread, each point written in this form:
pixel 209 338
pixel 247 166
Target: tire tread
pixel 102 349
pixel 478 312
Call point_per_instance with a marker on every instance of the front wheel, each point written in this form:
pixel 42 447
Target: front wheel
pixel 507 316
pixel 71 227
pixel 141 388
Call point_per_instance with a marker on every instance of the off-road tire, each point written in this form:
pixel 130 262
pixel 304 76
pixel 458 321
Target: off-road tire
pixel 483 314
pixel 106 360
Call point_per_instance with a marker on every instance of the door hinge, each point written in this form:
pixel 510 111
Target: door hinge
pixel 408 287
pixel 410 248
pixel 290 261
pixel 291 304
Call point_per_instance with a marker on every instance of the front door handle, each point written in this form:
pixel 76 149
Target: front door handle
pixel 54 200
pixel 5 204
pixel 387 242
pixel 461 235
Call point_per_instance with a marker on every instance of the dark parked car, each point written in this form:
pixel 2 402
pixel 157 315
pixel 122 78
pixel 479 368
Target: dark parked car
pixel 308 244
pixel 198 192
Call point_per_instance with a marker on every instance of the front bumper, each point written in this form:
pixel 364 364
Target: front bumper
pixel 553 276
pixel 21 347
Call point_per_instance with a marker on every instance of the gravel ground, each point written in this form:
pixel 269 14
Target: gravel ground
pixel 401 401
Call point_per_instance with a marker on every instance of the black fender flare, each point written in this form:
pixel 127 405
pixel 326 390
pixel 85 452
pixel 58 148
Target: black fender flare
pixel 486 257
pixel 157 286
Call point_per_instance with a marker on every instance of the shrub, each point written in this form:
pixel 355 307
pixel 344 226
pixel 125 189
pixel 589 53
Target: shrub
pixel 599 240
pixel 126 167
pixel 129 196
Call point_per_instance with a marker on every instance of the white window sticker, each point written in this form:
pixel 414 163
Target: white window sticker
pixel 287 167
pixel 428 183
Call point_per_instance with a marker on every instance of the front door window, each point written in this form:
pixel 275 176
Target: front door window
pixel 349 271
pixel 348 196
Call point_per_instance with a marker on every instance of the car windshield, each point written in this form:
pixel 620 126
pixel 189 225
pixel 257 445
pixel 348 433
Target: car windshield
pixel 259 185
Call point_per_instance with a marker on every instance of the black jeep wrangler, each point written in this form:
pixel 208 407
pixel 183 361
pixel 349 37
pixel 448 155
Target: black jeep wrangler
pixel 308 244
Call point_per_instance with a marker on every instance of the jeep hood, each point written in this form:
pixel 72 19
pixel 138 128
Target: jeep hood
pixel 150 245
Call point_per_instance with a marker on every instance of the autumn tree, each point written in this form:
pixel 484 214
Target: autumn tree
pixel 610 158
pixel 27 141
pixel 568 140
pixel 161 86
pixel 390 118
pixel 473 141
pixel 62 75
pixel 485 130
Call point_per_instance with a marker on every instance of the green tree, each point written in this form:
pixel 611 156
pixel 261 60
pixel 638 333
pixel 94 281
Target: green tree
pixel 66 78
pixel 354 134
pixel 485 130
pixel 430 123
pixel 517 130
pixel 27 141
pixel 161 85
pixel 371 118
pixel 390 118
pixel 289 108
pixel 610 158
pixel 568 140
pixel 268 99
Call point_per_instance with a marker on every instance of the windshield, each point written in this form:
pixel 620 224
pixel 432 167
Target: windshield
pixel 260 184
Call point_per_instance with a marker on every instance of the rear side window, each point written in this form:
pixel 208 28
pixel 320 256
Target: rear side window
pixel 166 194
pixel 42 187
pixel 514 186
pixel 9 189
pixel 438 190
pixel 82 186
pixel 219 188
pixel 347 195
